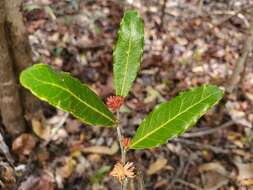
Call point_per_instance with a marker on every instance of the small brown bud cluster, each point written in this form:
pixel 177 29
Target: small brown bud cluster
pixel 122 172
pixel 126 142
pixel 114 102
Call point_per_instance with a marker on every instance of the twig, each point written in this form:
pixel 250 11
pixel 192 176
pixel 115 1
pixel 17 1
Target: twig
pixel 163 14
pixel 208 131
pixel 54 131
pixel 203 146
pixel 247 48
pixel 140 181
pixel 219 185
pixel 60 124
pixel 193 186
pixel 4 148
pixel 179 171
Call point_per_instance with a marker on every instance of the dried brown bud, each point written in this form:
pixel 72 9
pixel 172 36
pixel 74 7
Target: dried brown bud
pixel 122 172
pixel 126 142
pixel 114 102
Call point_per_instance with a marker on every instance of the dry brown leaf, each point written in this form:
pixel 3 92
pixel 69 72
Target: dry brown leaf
pixel 237 115
pixel 245 171
pixel 152 95
pixel 24 144
pixel 161 183
pixel 159 164
pixel 213 180
pixel 213 166
pixel 43 182
pixel 7 175
pixel 247 182
pixel 40 130
pixel 66 170
pixel 101 149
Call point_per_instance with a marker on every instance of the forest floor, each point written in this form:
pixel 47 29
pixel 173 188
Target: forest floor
pixel 187 43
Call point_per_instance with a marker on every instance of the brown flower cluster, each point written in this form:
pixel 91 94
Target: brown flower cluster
pixel 126 142
pixel 114 102
pixel 122 172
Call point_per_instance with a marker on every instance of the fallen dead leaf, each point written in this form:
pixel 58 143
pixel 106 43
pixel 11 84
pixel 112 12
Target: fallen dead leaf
pixel 40 130
pixel 247 182
pixel 237 115
pixel 67 169
pixel 24 144
pixel 158 165
pixel 152 95
pixel 43 182
pixel 245 171
pixel 213 180
pixel 7 175
pixel 214 175
pixel 101 149
pixel 213 166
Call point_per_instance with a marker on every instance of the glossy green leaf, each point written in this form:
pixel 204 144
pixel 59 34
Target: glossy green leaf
pixel 128 52
pixel 170 119
pixel 65 92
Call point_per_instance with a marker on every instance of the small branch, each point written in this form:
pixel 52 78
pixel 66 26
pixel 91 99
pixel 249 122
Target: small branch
pixel 163 14
pixel 5 150
pixel 191 185
pixel 247 48
pixel 202 146
pixel 208 131
pixel 140 180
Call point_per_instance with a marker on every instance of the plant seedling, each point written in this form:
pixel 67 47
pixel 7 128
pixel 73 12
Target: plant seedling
pixel 167 121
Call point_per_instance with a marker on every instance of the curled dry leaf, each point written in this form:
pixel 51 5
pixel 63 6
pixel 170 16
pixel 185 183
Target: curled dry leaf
pixel 102 149
pixel 158 165
pixel 214 175
pixel 40 130
pixel 43 182
pixel 213 166
pixel 237 114
pixel 7 175
pixel 245 171
pixel 152 95
pixel 24 144
pixel 67 169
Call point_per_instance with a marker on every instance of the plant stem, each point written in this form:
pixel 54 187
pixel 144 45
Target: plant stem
pixel 123 151
pixel 120 138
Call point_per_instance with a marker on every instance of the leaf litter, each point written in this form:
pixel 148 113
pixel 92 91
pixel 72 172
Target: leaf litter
pixel 186 51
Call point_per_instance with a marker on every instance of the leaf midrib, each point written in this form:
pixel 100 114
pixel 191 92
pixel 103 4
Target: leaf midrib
pixel 161 126
pixel 127 60
pixel 67 90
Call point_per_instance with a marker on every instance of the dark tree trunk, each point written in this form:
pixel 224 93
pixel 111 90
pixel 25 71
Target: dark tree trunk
pixel 10 104
pixel 21 51
pixel 15 56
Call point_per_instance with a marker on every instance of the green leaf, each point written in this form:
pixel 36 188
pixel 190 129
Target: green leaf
pixel 170 119
pixel 63 91
pixel 128 52
pixel 100 173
